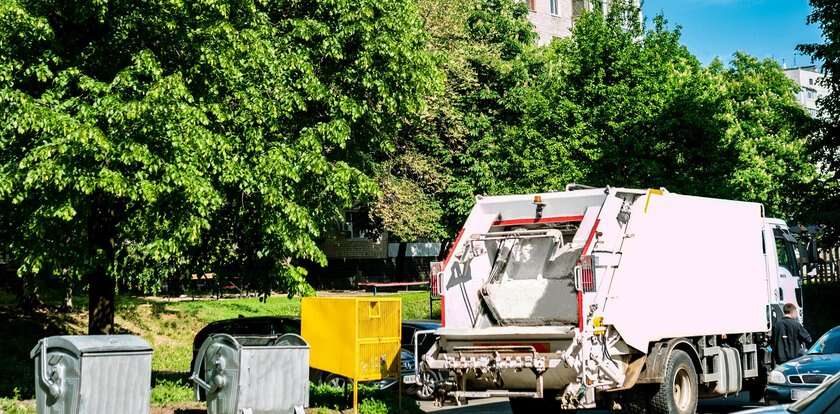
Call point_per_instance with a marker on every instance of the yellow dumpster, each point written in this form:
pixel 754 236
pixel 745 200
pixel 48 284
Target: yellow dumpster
pixel 357 337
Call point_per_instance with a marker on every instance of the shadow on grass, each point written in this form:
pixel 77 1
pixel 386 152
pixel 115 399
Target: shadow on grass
pixel 172 376
pixel 20 332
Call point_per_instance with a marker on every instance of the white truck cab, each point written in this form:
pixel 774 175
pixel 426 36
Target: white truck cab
pixel 783 256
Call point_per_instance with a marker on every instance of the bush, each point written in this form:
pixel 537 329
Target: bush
pixel 13 406
pixel 171 391
pixel 372 400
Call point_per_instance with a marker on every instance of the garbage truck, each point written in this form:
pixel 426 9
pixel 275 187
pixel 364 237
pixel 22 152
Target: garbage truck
pixel 635 299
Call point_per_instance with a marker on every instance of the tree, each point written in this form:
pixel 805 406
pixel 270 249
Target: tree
pixel 826 144
pixel 769 132
pixel 619 105
pixel 614 104
pixel 447 155
pixel 149 140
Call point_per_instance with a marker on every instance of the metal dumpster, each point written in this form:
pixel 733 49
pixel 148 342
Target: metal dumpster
pixel 96 374
pixel 253 374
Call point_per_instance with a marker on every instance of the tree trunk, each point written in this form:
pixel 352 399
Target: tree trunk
pixel 101 303
pixel 67 304
pixel 444 249
pixel 101 287
pixel 400 265
pixel 29 298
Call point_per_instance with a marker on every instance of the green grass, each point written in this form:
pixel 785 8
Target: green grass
pixel 168 326
pixel 371 400
pixel 13 405
pixel 171 391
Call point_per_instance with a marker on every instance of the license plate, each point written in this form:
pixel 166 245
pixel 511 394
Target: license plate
pixel 797 395
pixel 409 379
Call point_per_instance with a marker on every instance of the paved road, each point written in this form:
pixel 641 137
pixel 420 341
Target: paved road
pixel 501 406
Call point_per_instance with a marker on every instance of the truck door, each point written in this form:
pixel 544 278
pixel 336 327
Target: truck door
pixel 788 268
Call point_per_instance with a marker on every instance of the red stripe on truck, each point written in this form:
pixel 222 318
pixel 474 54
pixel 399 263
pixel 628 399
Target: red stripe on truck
pixel 452 248
pixel 582 253
pixel 544 220
pixel 442 310
pixel 591 235
pixel 580 310
pixel 443 287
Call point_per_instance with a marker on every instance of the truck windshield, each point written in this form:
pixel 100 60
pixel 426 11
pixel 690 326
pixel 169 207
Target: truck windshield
pixel 827 344
pixel 786 256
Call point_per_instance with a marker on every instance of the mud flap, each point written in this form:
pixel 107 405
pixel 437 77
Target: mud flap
pixel 631 375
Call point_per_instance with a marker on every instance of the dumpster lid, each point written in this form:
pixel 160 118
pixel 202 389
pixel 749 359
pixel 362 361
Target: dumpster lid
pixel 83 344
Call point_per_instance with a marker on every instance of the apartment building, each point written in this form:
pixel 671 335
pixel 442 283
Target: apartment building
pixel 555 18
pixel 811 88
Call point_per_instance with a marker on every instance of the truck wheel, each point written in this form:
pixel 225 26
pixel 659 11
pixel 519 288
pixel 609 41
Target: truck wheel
pixel 427 390
pixel 678 392
pixel 756 388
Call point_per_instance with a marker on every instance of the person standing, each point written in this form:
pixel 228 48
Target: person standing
pixel 789 336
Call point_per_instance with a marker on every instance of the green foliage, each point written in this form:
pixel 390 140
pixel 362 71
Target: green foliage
pixel 158 139
pixel 483 49
pixel 619 105
pixel 826 144
pixel 372 406
pixel 326 396
pixel 171 391
pixel 13 405
pixel 768 131
pixel 405 205
pixel 168 138
pixel 371 399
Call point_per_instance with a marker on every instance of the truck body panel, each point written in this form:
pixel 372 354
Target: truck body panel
pixel 690 266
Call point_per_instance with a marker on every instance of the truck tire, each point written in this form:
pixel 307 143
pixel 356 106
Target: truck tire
pixel 756 387
pixel 525 405
pixel 678 392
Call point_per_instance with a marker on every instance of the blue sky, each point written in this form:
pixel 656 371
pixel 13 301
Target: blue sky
pixel 763 28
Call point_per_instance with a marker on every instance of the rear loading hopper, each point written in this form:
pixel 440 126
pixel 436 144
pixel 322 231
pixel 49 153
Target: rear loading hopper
pixel 514 262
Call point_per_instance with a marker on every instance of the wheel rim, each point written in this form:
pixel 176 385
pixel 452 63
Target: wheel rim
pixel 336 381
pixel 427 389
pixel 682 390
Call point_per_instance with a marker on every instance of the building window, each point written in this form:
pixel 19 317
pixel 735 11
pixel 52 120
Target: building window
pixel 356 226
pixel 553 7
pixel 811 94
pixel 532 5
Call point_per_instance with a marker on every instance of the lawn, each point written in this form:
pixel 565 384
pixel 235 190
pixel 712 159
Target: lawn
pixel 168 325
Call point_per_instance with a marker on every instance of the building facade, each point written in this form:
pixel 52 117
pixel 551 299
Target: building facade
pixel 357 253
pixel 811 88
pixel 554 18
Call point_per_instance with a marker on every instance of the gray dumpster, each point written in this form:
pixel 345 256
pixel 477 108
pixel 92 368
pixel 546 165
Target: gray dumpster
pixel 97 374
pixel 253 374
